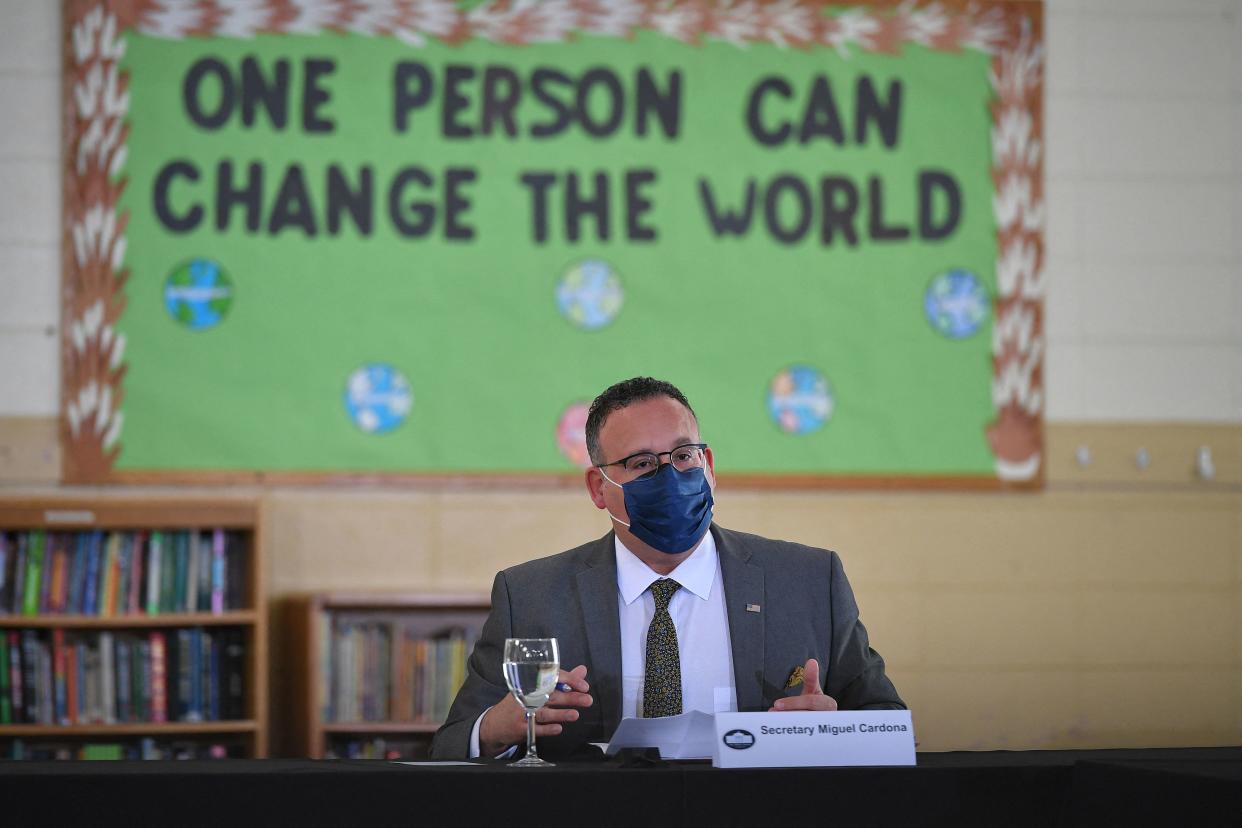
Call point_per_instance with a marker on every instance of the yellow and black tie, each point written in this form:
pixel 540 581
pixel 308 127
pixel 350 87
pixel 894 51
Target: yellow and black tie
pixel 662 684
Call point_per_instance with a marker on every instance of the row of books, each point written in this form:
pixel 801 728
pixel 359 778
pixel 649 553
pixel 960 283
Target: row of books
pixel 108 573
pixel 144 748
pixel 379 670
pixel 54 677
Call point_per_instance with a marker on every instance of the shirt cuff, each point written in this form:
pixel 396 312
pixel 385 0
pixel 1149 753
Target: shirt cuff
pixel 474 741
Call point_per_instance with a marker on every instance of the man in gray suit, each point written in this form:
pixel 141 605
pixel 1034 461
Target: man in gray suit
pixel 668 612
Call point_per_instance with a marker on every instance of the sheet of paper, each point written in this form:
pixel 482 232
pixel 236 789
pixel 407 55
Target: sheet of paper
pixel 688 736
pixel 445 762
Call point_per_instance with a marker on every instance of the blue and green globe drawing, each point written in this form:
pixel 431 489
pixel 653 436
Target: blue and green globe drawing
pixel 800 399
pixel 956 304
pixel 198 294
pixel 378 398
pixel 589 295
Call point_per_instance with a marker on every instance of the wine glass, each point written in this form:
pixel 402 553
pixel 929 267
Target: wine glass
pixel 532 666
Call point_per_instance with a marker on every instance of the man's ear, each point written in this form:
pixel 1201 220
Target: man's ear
pixel 711 466
pixel 595 486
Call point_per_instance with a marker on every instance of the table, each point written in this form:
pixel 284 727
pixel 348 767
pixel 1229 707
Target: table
pixel 1178 786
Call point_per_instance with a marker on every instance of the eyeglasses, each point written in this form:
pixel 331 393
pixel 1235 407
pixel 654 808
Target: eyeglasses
pixel 683 458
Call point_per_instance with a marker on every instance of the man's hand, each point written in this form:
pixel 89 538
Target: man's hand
pixel 812 697
pixel 504 724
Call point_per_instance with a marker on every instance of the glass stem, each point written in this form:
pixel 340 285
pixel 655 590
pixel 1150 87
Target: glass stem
pixel 530 735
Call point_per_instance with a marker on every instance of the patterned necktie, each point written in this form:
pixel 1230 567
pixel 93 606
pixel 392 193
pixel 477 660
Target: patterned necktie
pixel 662 684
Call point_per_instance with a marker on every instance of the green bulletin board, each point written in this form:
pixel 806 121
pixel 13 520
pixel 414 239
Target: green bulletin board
pixel 366 243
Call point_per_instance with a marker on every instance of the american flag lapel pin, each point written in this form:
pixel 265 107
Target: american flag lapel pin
pixel 752 607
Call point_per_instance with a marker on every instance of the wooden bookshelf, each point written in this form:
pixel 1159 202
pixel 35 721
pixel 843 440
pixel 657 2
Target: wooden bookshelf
pixel 313 616
pixel 107 513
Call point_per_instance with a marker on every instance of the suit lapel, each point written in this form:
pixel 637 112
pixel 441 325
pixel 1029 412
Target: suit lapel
pixel 743 586
pixel 597 593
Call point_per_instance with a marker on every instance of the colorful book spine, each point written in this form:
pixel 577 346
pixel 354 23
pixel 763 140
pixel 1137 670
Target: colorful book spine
pixel 5 579
pixel 182 565
pixel 90 605
pixel 30 676
pixel 6 700
pixel 202 598
pixel 59 677
pixel 47 577
pixel 189 595
pixel 168 573
pixel 155 550
pixel 111 573
pixel 19 573
pixel 71 684
pixel 16 682
pixel 107 679
pixel 217 571
pixel 34 573
pixel 77 578
pixel 159 678
pixel 135 596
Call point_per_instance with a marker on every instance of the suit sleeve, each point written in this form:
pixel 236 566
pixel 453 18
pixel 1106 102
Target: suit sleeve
pixel 485 683
pixel 855 675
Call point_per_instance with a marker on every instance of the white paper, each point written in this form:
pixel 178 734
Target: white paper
pixel 690 735
pixel 444 762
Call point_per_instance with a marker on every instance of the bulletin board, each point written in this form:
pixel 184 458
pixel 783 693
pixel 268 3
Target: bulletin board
pixel 320 240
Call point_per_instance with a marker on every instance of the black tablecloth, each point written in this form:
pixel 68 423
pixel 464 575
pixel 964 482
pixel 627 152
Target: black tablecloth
pixel 1189 786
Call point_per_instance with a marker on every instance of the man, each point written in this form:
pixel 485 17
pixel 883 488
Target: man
pixel 668 612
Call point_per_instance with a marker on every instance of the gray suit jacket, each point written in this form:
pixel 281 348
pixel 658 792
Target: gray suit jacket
pixel 807 610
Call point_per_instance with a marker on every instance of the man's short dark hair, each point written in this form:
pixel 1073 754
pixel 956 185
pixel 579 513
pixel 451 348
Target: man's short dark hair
pixel 624 393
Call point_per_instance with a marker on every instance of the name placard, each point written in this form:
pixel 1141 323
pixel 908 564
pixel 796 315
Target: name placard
pixel 814 739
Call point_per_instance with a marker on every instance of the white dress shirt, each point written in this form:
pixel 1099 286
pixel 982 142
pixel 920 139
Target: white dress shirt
pixel 698 613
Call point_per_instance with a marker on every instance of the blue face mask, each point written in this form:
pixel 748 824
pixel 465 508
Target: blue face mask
pixel 670 510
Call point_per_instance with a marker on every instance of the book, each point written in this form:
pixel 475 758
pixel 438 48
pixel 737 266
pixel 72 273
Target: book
pixel 54 584
pixel 124 550
pixel 168 572
pixel 18 600
pixel 155 550
pixel 211 692
pixel 107 679
pixel 34 573
pixel 110 574
pixel 159 673
pixel 137 570
pixel 6 701
pixel 5 578
pixel 234 704
pixel 71 684
pixel 206 554
pixel 77 574
pixel 16 680
pixel 59 677
pixel 234 571
pixel 194 551
pixel 47 576
pixel 90 601
pixel 46 691
pixel 142 679
pixel 181 544
pixel 217 571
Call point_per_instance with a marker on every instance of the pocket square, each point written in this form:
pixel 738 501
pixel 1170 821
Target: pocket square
pixel 795 678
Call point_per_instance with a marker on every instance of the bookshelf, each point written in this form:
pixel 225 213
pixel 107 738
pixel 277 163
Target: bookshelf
pixel 364 685
pixel 147 637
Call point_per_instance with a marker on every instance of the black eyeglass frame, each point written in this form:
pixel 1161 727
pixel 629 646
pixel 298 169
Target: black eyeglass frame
pixel 656 454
